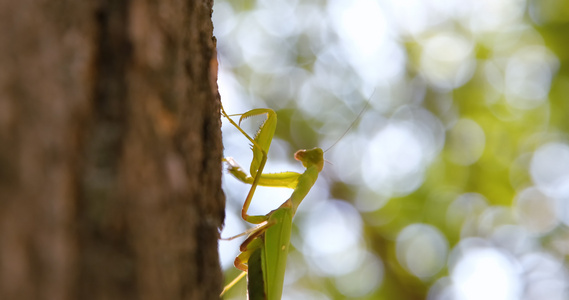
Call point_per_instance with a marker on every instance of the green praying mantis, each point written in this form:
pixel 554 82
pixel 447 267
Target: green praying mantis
pixel 264 252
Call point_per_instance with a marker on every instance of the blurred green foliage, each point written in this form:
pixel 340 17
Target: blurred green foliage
pixel 453 184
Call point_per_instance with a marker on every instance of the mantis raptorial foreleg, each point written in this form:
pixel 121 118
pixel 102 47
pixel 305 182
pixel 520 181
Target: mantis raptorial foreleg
pixel 271 239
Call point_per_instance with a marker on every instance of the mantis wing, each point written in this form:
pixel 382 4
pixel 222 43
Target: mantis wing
pixel 255 280
pixel 266 264
pixel 277 240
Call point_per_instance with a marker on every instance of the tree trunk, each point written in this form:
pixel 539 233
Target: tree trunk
pixel 110 150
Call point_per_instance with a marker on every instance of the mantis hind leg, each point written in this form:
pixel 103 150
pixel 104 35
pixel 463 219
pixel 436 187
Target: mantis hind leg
pixel 254 241
pixel 251 245
pixel 232 283
pixel 242 260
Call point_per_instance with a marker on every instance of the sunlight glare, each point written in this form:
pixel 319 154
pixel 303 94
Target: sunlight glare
pixel 486 274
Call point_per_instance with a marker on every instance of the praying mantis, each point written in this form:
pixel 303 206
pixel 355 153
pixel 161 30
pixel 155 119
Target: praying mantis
pixel 268 242
pixel 264 252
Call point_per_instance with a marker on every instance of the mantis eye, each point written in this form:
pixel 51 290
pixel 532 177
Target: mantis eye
pixel 299 155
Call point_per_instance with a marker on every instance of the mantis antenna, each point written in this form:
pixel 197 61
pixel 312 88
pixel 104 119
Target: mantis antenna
pixel 353 123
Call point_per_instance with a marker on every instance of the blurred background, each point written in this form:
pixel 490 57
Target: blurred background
pixel 453 183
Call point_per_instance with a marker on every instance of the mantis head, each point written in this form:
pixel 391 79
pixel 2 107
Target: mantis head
pixel 311 157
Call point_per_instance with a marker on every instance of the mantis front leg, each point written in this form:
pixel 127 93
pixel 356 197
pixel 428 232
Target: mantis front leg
pixel 260 146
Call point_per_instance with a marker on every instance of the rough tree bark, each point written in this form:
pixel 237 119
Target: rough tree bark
pixel 110 150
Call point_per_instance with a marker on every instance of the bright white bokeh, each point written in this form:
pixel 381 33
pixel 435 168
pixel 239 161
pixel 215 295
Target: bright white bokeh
pixel 483 16
pixel 362 281
pixel 277 17
pixel 528 76
pixel 337 225
pixel 422 250
pixel 466 142
pixel 485 273
pixel 536 211
pixel 397 160
pixel 463 213
pixel 367 38
pixel 514 239
pixel 447 60
pixel 479 270
pixel 546 277
pixel 413 17
pixel 397 156
pixel 549 169
pixel 493 218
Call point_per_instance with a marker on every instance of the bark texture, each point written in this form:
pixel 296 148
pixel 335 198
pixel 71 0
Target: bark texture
pixel 110 150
